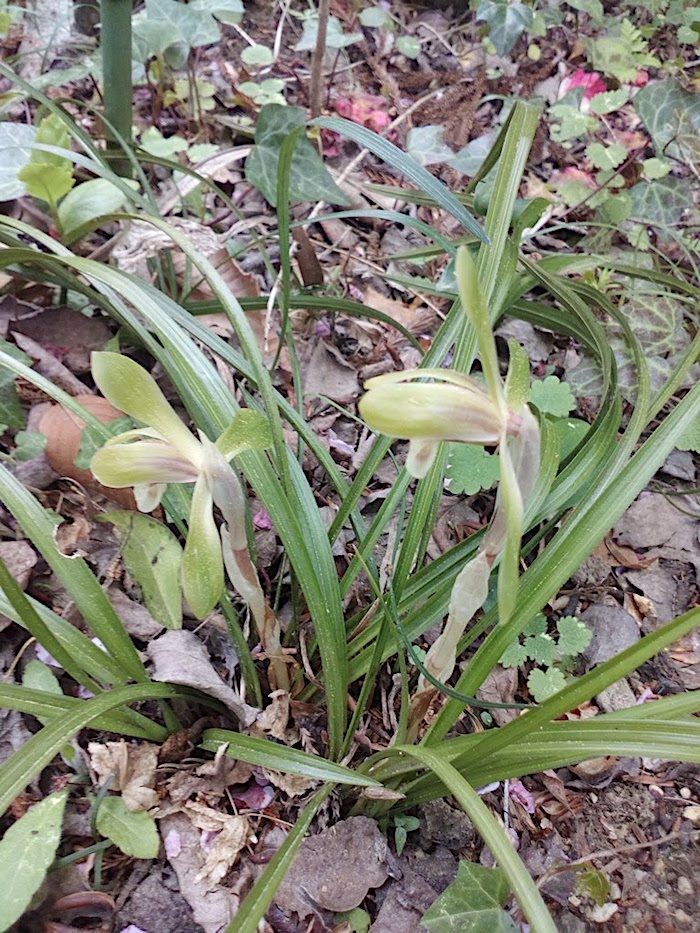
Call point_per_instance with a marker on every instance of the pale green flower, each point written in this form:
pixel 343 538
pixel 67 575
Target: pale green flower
pixel 451 407
pixel 165 451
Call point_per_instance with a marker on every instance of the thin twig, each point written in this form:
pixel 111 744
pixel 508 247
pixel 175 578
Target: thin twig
pixel 611 853
pixel 319 56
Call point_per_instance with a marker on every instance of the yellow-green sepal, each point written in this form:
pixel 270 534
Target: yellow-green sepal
pixel 202 564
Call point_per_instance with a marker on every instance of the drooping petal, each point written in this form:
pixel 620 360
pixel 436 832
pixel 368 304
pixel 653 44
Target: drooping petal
pixel 129 387
pixel 427 411
pixel 227 493
pixel 202 564
pixel 121 465
pixel 149 495
pixel 421 456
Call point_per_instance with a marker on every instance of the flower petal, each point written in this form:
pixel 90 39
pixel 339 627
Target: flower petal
pixel 148 495
pixel 121 465
pixel 202 564
pixel 432 412
pixel 421 456
pixel 129 387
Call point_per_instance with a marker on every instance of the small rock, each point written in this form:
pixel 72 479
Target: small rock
pixel 613 631
pixel 601 914
pixel 680 465
pixel 684 886
pixel 442 824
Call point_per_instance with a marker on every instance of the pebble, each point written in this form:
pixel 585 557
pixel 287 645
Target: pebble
pixel 684 885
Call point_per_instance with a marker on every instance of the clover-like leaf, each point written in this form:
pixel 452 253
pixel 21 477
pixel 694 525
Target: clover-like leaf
pixel 574 636
pixel 544 684
pixel 606 157
pixel 514 655
pixel 541 648
pixel 552 397
pixel 608 101
pixel 471 469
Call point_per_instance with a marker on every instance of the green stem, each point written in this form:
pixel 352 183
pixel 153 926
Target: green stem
pixel 116 79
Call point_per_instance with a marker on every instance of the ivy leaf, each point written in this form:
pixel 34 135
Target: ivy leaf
pixel 226 11
pixel 470 159
pixel 193 21
pixel 91 439
pixel 471 468
pixel 473 903
pixel 132 831
pixel 26 852
pixel 606 157
pixel 594 8
pixel 426 145
pixel 672 116
pixel 15 151
pixel 574 636
pixel 660 203
pixel 335 37
pixel 552 397
pixel 310 180
pixel 544 684
pixel 11 413
pixel 514 655
pixel 507 22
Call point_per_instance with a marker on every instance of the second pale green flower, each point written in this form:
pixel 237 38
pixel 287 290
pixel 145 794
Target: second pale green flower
pixel 451 407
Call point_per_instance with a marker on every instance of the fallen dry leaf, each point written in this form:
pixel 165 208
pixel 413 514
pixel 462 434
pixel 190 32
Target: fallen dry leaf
pixel 273 720
pixel 20 558
pixel 50 367
pixel 66 333
pixel 222 856
pixel 213 907
pixel 179 657
pixel 335 869
pixel 133 767
pixel 293 785
pixel 328 373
